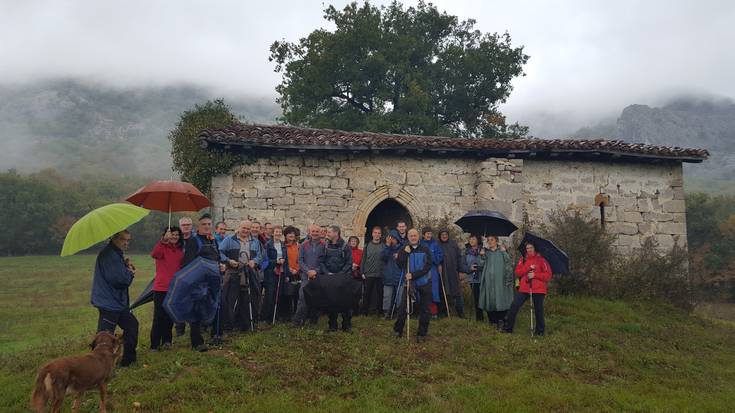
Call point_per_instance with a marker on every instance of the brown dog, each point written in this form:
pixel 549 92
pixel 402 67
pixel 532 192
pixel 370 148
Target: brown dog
pixel 75 375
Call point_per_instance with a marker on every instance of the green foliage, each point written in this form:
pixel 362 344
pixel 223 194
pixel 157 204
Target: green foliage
pixel 590 250
pixel 597 269
pixel 196 164
pixel 711 236
pixel 390 69
pixel 598 356
pixel 40 208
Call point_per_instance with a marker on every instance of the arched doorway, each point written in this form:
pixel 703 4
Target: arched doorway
pixel 385 215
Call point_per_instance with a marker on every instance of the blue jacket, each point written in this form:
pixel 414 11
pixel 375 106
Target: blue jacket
pixel 419 263
pixel 111 280
pixel 230 249
pixel 271 256
pixel 437 259
pixel 391 271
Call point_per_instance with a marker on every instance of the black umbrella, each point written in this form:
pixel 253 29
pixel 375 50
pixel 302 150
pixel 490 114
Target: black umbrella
pixel 485 222
pixel 145 297
pixel 557 258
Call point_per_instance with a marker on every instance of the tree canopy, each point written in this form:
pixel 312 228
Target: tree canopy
pixel 412 70
pixel 196 164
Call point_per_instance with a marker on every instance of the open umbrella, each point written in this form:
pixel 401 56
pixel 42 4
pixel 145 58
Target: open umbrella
pixel 145 297
pixel 557 258
pixel 194 293
pixel 169 196
pixel 100 224
pixel 485 222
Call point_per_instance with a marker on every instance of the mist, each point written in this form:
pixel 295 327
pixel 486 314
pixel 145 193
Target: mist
pixel 589 59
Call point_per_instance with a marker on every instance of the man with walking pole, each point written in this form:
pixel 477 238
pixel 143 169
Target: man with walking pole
pixel 418 259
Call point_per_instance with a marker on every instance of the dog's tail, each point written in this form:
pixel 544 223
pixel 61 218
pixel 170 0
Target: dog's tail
pixel 42 390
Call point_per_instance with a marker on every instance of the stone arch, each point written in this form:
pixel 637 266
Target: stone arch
pixel 399 194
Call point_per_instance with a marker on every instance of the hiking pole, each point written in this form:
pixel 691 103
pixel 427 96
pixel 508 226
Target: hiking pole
pixel 444 291
pixel 275 306
pixel 408 300
pixel 530 291
pixel 250 301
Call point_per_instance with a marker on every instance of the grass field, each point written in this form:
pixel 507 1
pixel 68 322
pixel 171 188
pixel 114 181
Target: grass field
pixel 598 356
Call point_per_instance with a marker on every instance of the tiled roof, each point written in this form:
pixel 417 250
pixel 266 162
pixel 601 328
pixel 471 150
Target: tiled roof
pixel 288 137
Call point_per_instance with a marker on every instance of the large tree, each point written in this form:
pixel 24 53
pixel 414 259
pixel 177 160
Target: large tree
pixel 403 70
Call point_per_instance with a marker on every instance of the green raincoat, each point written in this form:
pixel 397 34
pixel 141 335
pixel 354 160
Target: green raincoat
pixel 496 281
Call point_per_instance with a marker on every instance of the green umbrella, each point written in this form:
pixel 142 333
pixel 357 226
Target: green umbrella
pixel 100 224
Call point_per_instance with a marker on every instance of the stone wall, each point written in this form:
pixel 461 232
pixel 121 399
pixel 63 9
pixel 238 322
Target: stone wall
pixel 646 200
pixel 343 189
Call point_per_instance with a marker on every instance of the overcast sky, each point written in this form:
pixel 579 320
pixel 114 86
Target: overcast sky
pixel 589 59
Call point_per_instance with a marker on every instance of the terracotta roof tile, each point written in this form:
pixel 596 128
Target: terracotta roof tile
pixel 271 136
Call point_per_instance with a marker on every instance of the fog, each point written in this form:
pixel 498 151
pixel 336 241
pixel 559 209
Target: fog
pixel 589 59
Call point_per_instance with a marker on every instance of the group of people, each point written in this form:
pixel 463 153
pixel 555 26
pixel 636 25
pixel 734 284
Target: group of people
pixel 266 270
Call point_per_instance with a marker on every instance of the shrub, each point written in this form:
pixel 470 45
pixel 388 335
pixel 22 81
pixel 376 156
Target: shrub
pixel 590 250
pixel 650 274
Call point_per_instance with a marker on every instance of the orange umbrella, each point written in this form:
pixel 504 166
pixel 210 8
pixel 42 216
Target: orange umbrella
pixel 169 196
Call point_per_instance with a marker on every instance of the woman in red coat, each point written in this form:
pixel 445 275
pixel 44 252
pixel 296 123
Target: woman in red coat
pixel 167 253
pixel 534 272
pixel 356 260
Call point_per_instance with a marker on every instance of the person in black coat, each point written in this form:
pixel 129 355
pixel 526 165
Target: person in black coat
pixel 337 261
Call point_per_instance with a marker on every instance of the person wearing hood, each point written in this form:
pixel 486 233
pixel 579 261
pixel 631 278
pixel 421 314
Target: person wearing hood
pixel 337 262
pixel 534 272
pixel 391 271
pixel 496 281
pixel 402 231
pixel 470 267
pixel 450 271
pixel 437 257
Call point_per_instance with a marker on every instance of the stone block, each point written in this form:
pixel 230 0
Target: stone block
pixel 251 203
pixel 632 217
pixel 338 183
pixel 289 170
pixel 413 178
pixel 271 192
pixel 318 182
pixel 282 201
pixel 647 228
pixel 325 171
pixel 633 241
pixel 508 191
pixel 657 217
pixel 673 228
pixel 331 201
pixel 676 205
pixel 625 228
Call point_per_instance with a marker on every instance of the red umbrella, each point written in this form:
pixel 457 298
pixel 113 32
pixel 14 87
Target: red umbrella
pixel 169 196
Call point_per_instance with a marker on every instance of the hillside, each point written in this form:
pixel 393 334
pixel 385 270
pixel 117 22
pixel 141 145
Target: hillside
pixel 598 356
pixel 81 128
pixel 685 122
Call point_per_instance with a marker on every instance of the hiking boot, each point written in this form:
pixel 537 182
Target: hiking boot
pixel 201 348
pixel 421 339
pixel 216 341
pixel 166 346
pixel 397 334
pixel 126 362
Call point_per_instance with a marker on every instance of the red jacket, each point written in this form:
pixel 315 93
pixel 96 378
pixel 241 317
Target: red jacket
pixel 542 274
pixel 168 260
pixel 356 259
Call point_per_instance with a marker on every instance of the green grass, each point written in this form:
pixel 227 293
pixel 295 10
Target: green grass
pixel 598 356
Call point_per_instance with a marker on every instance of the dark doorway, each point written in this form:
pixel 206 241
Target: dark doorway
pixel 385 215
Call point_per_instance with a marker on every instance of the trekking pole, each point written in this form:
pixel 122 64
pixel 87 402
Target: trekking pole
pixel 250 302
pixel 444 291
pixel 530 291
pixel 408 300
pixel 275 306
